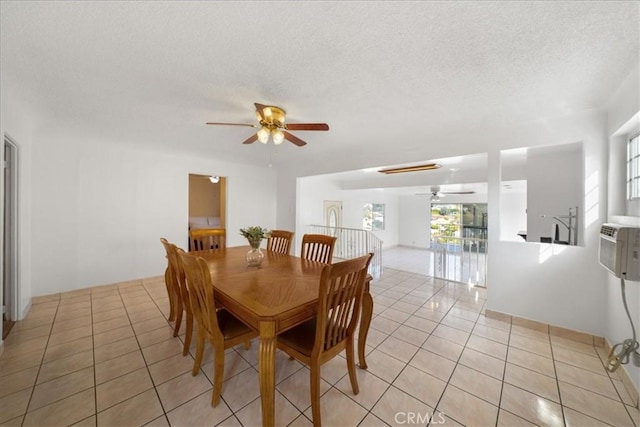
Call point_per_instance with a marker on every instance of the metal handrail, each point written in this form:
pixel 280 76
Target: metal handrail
pixel 352 243
pixel 461 259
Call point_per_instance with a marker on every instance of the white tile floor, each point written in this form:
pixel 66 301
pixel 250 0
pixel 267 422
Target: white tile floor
pixel 409 259
pixel 466 267
pixel 106 356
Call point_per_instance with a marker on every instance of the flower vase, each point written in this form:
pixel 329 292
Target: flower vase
pixel 255 255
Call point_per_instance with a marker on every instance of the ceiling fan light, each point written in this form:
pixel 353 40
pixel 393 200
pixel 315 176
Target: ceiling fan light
pixel 263 135
pixel 278 137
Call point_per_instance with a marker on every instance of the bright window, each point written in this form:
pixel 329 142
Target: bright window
pixel 446 224
pixel 373 218
pixel 633 168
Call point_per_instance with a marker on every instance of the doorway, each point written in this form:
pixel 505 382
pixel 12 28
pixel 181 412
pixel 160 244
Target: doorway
pixel 207 202
pixel 10 241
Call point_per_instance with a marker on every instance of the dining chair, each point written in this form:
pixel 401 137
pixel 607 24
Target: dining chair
pixel 173 290
pixel 318 247
pixel 180 294
pixel 280 241
pixel 218 326
pixel 319 340
pixel 203 239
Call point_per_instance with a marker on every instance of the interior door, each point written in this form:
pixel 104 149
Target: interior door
pixel 333 222
pixel 332 213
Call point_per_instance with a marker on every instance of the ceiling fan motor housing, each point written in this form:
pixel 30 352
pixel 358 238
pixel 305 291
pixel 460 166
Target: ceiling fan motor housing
pixel 271 117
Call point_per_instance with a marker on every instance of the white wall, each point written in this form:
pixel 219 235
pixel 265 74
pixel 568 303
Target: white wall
pixel 313 191
pixel 414 213
pixel 559 285
pixel 354 211
pixel 555 184
pixel 100 208
pixel 623 116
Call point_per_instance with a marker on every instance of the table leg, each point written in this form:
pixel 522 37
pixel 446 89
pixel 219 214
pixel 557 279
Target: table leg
pixel 267 371
pixel 365 321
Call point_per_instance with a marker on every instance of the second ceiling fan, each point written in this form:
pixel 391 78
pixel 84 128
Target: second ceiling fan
pixel 436 193
pixel 272 123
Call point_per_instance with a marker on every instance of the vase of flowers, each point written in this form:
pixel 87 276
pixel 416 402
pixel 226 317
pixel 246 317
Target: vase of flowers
pixel 254 236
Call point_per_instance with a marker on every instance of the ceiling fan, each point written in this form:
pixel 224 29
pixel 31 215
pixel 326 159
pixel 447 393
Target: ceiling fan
pixel 271 122
pixel 436 193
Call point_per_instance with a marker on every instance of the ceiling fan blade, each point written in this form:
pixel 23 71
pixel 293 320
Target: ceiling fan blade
pixel 232 124
pixel 259 108
pixel 307 126
pixel 297 141
pixel 253 138
pixel 457 192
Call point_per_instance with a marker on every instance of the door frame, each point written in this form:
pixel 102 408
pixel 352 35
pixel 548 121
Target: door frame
pixel 10 228
pixel 332 206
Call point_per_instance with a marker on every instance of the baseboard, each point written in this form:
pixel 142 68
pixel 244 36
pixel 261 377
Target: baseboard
pixel 25 309
pixel 572 335
pixel 558 331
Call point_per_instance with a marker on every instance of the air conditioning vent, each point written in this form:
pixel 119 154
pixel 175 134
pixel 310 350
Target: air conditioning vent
pixel 607 230
pixel 620 250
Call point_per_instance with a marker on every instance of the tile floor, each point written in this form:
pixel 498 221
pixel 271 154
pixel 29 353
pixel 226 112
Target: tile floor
pixel 106 356
pixel 409 259
pixel 467 267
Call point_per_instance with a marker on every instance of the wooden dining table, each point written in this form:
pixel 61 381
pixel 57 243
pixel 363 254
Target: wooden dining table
pixel 278 295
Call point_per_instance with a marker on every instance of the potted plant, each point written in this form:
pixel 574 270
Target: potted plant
pixel 254 236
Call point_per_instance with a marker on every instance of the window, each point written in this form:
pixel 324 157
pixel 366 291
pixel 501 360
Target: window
pixel 373 218
pixel 445 223
pixel 633 168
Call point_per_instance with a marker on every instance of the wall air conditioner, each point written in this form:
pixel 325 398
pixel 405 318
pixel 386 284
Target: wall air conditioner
pixel 620 250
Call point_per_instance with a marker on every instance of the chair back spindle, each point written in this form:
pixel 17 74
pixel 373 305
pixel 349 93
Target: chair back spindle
pixel 280 241
pixel 318 247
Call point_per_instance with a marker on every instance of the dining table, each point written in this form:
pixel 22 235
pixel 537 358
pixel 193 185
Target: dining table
pixel 272 298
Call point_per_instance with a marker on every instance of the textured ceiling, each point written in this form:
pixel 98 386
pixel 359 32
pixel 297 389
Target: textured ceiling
pixel 388 77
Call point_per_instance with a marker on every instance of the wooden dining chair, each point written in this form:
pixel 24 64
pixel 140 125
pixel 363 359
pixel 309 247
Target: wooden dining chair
pixel 173 290
pixel 280 241
pixel 319 340
pixel 218 326
pixel 318 247
pixel 204 239
pixel 180 294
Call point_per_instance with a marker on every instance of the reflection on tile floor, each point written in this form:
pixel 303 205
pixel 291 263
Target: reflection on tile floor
pixel 467 266
pixel 106 356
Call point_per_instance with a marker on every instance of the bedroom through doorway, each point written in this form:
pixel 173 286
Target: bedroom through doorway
pixel 207 202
